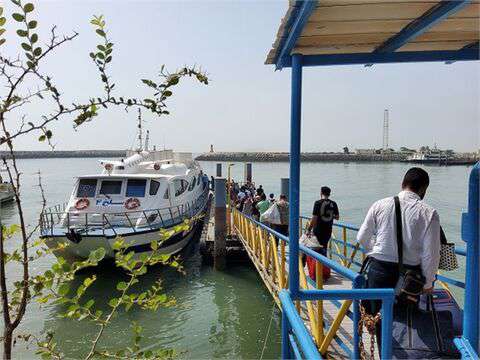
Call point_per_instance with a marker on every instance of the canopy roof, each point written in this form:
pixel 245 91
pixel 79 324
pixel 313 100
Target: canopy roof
pixel 331 32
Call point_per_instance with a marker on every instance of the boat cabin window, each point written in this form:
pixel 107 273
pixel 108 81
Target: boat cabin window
pixel 154 185
pixel 87 187
pixel 192 185
pixel 180 186
pixel 167 194
pixel 111 187
pixel 136 187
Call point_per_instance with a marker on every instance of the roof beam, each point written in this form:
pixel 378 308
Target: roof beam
pixel 385 58
pixel 306 8
pixel 421 25
pixel 472 46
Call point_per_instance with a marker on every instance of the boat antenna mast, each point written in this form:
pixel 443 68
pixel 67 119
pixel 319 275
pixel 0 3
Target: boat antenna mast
pixel 147 140
pixel 140 132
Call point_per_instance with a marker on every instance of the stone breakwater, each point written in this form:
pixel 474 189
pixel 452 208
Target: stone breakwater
pixel 64 154
pixel 306 157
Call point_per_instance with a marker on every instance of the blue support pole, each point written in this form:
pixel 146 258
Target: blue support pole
pixel 286 353
pixel 387 324
pixel 358 283
pixel 294 186
pixel 470 234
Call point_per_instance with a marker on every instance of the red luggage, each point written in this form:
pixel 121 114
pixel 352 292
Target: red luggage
pixel 311 269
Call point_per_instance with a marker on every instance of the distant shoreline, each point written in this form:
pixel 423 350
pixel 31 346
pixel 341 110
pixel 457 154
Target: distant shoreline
pixel 306 157
pixel 64 154
pixel 315 157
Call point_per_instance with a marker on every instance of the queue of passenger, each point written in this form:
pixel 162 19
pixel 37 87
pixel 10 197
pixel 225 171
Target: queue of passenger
pixel 401 236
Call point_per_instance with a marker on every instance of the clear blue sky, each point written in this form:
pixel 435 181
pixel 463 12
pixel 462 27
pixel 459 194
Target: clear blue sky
pixel 246 106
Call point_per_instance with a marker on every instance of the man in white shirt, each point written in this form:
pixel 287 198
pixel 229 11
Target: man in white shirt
pixel 421 236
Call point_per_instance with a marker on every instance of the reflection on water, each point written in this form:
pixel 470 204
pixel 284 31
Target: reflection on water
pixel 218 314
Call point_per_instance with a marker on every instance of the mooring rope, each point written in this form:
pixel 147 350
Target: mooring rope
pixel 268 330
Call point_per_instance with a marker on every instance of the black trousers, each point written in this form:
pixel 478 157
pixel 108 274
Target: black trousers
pixel 381 274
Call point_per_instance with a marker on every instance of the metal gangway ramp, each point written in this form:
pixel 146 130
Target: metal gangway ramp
pixel 332 324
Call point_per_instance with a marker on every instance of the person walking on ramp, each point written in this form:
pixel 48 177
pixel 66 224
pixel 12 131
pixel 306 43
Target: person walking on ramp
pixel 324 212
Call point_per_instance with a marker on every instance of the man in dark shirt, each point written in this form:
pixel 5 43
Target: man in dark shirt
pixel 324 212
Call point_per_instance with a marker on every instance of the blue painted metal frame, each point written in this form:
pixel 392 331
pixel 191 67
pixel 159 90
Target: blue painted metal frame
pixel 292 321
pixel 294 185
pixel 421 25
pixel 386 58
pixel 383 54
pixel 296 25
pixel 470 234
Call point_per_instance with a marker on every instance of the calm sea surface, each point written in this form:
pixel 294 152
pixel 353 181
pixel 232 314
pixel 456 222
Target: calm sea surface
pixel 219 314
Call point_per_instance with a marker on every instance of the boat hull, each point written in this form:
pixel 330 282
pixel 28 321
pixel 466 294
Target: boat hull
pixel 139 243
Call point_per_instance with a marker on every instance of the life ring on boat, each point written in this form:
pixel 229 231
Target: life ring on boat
pixel 132 203
pixel 82 204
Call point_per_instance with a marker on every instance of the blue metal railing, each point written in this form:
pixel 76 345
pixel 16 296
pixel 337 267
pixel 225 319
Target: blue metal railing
pixel 297 341
pixel 290 322
pixel 349 245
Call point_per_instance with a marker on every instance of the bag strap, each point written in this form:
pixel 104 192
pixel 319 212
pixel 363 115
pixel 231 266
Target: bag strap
pixel 443 238
pixel 436 325
pixel 398 224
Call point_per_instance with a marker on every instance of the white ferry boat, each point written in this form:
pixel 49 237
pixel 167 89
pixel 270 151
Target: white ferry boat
pixel 133 198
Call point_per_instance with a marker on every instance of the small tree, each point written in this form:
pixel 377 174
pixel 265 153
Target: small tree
pixel 18 73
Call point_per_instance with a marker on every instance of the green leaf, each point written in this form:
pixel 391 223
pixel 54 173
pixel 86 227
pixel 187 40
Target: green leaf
pixel 2 31
pixel 2 21
pixel 26 47
pixel 108 59
pixel 48 134
pixel 100 32
pixel 101 47
pixel 113 302
pixel 18 17
pixel 42 138
pixel 28 7
pixel 1 10
pixel 122 285
pixel 167 93
pixel 98 254
pixel 32 24
pixel 37 51
pixel 2 41
pixel 22 33
pixel 89 303
pixel 64 289
pixel 100 55
pixel 34 38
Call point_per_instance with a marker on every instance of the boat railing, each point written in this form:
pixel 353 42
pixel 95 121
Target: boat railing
pixel 112 223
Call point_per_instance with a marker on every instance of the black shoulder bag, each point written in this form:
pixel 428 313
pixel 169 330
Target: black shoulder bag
pixel 410 282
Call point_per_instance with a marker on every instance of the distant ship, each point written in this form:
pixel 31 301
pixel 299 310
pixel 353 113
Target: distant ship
pixel 436 156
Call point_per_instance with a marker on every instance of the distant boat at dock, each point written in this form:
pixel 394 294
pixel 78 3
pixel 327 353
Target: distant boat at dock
pixel 436 156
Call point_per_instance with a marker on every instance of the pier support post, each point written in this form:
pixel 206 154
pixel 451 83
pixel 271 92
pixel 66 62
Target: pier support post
pixel 220 243
pixel 248 172
pixel 294 186
pixel 219 170
pixel 284 185
pixel 471 235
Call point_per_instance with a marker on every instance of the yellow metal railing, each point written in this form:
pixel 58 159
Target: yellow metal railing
pixel 269 257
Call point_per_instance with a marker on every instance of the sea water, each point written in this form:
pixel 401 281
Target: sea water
pixel 217 314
